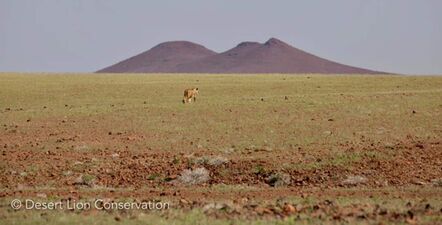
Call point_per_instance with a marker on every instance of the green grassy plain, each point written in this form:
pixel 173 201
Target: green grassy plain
pixel 229 110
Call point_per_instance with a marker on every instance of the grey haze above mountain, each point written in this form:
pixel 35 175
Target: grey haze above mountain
pixel 274 56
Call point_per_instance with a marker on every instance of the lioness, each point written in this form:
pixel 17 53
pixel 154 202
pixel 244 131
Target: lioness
pixel 189 94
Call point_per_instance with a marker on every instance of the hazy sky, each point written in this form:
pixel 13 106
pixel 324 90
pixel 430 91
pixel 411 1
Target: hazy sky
pixel 403 36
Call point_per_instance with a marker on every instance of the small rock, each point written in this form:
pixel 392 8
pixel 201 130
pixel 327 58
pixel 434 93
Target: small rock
pixel 216 206
pixel 419 145
pixel 418 182
pixel 184 201
pixel 267 149
pixel 131 138
pixel 289 209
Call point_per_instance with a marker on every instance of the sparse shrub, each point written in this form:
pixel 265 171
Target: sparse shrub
pixel 228 150
pixel 82 148
pixel 196 176
pixel 199 160
pixel 354 180
pixel 67 173
pixel 86 179
pixel 153 176
pixel 279 179
pixel 215 206
pixel 260 170
pixel 175 160
pixel 437 182
pixel 215 161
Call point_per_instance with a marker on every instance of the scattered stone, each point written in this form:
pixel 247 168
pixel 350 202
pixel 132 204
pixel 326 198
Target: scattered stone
pixel 286 98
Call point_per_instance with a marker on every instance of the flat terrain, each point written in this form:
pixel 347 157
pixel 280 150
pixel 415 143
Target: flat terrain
pixel 278 149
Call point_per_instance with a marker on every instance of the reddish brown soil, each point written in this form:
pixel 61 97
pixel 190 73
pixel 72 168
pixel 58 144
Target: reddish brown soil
pixel 117 162
pixel 122 170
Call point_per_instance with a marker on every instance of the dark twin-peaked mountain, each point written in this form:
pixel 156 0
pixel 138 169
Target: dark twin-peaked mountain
pixel 274 56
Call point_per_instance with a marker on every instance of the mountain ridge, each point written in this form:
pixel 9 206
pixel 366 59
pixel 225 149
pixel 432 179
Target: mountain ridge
pixel 272 56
